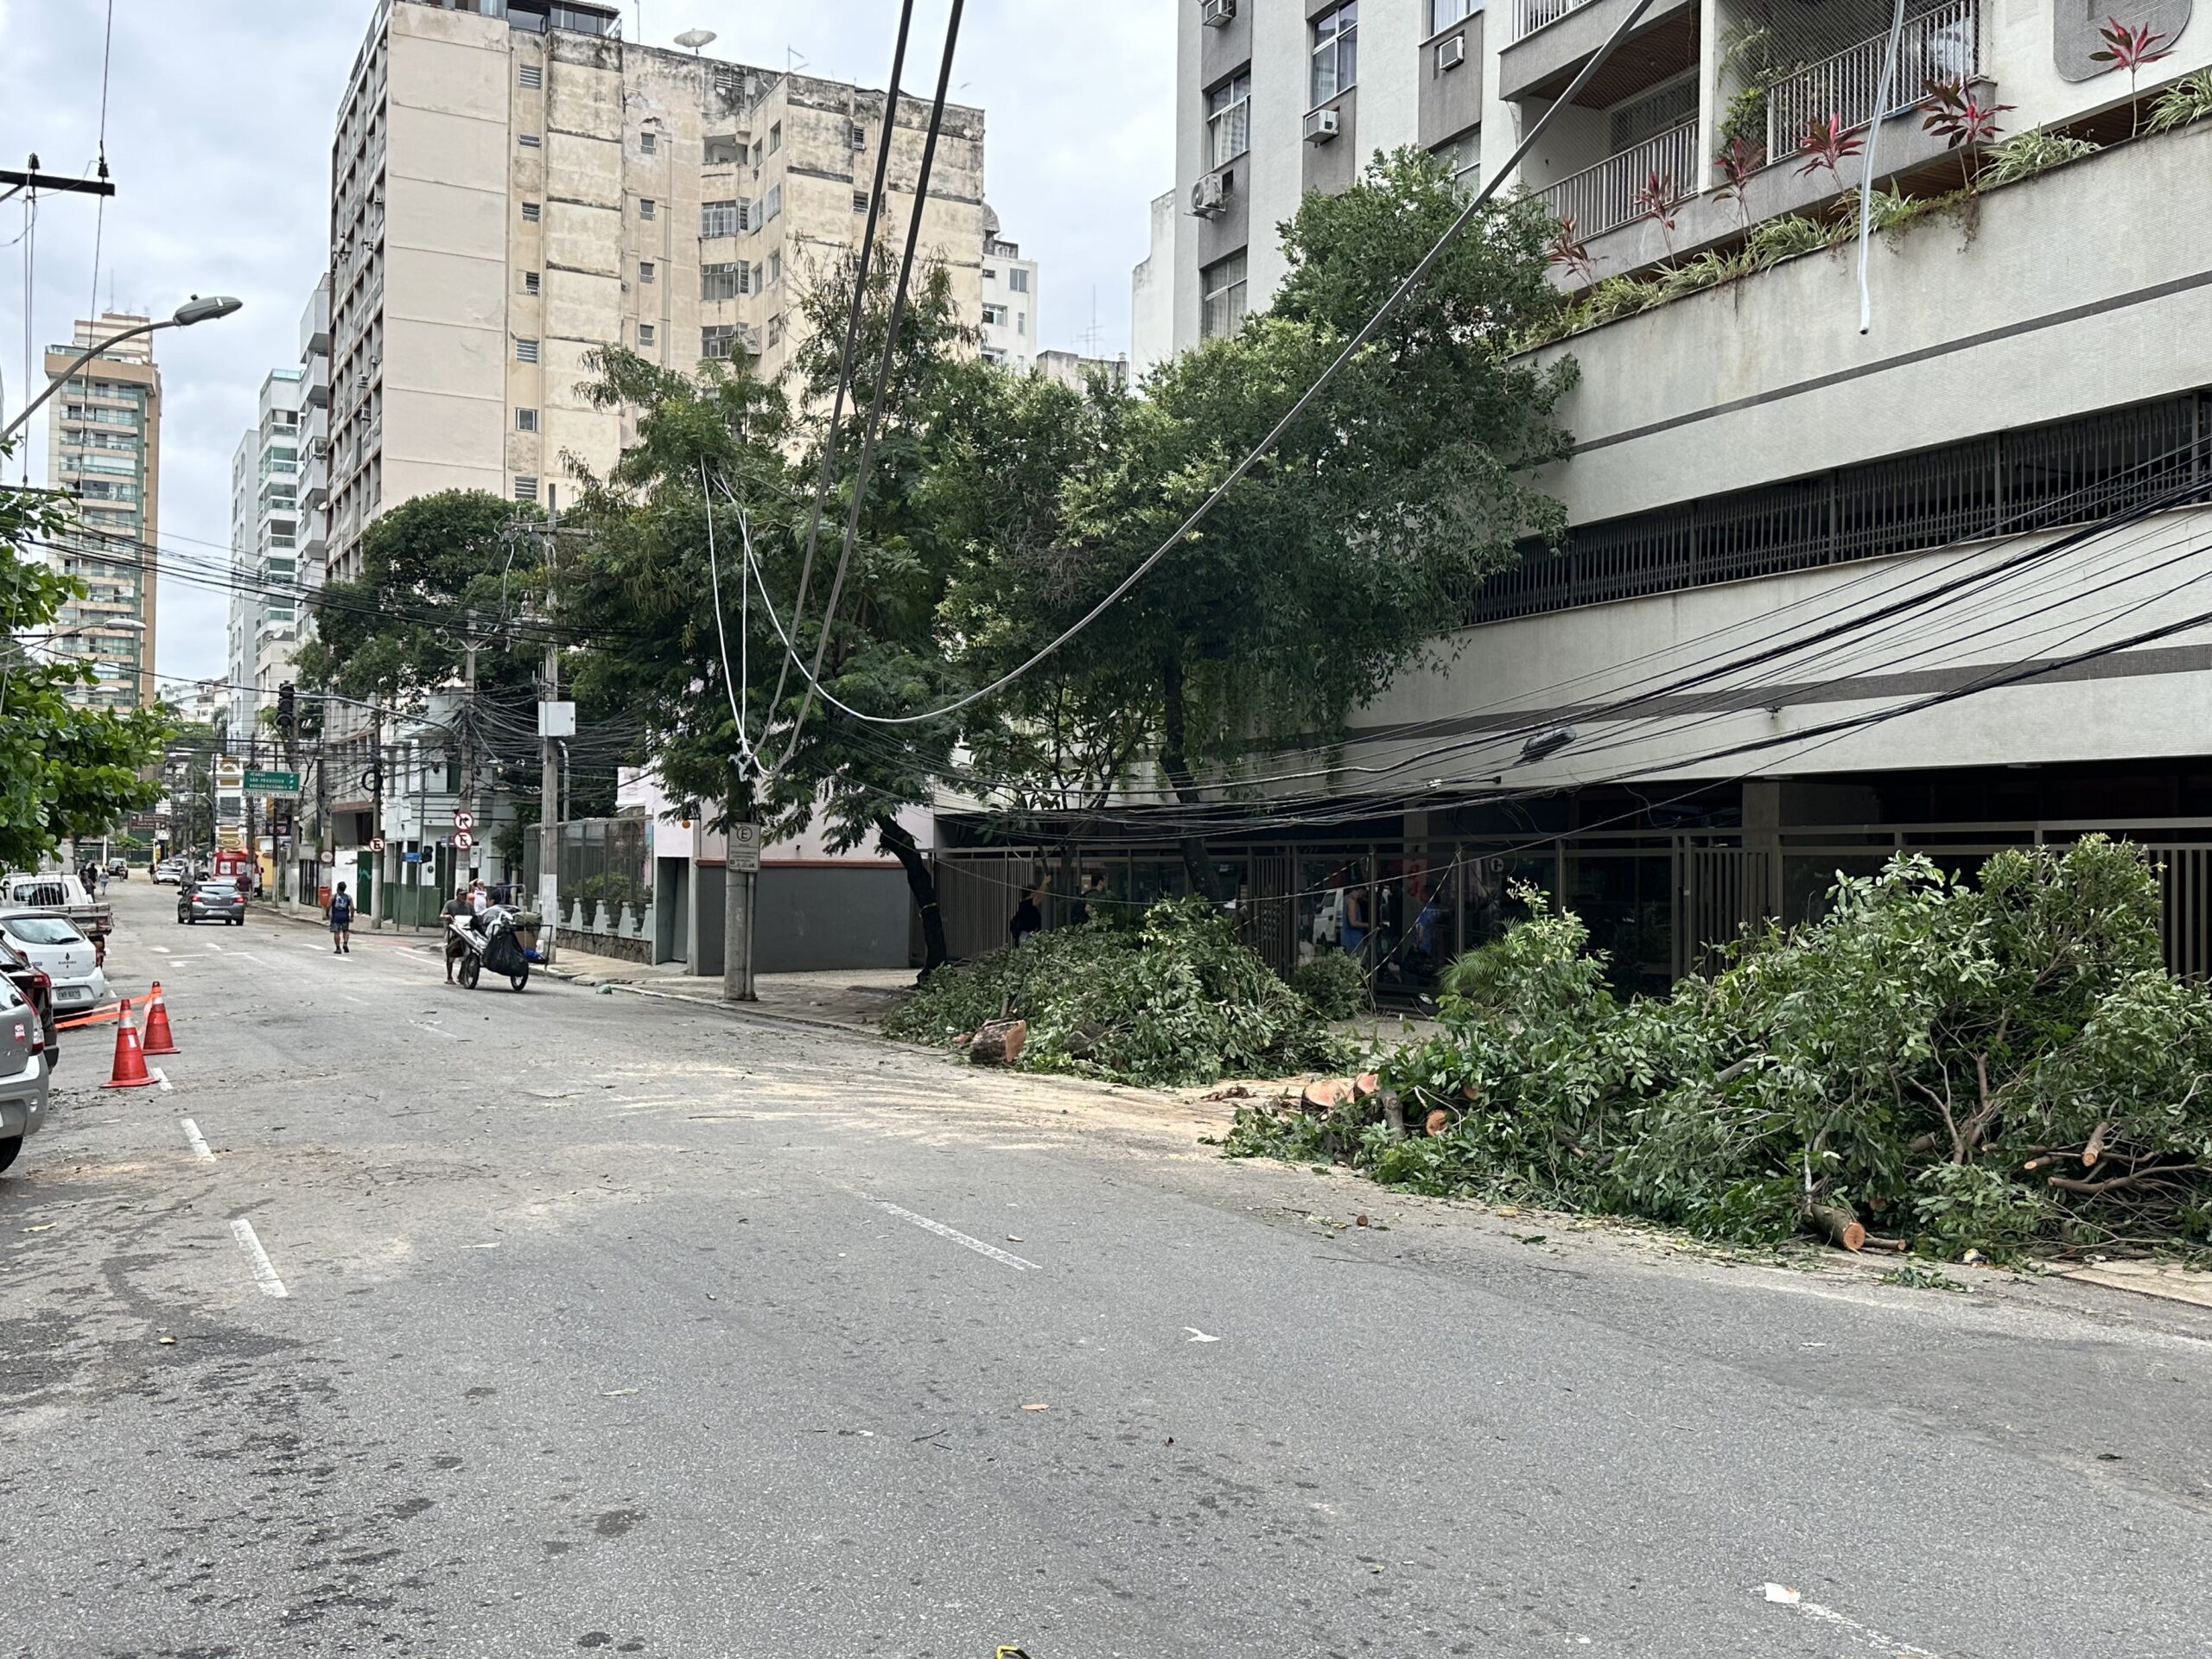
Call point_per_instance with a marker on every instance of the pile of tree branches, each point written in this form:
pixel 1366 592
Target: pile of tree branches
pixel 1174 1000
pixel 2002 1064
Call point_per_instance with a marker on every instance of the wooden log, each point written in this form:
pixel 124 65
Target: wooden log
pixel 1394 1115
pixel 1438 1121
pixel 998 1042
pixel 1838 1225
pixel 2095 1149
pixel 1325 1094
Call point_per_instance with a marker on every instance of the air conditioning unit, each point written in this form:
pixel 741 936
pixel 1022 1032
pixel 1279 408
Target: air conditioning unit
pixel 1450 54
pixel 1322 126
pixel 1210 195
pixel 1215 14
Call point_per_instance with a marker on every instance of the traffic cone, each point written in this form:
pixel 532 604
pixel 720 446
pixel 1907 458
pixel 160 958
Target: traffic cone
pixel 130 1060
pixel 158 1039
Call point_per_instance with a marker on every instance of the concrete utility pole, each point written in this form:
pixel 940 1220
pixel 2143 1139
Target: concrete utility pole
pixel 548 774
pixel 377 876
pixel 740 863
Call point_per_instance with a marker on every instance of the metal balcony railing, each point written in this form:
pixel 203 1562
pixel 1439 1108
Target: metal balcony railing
pixel 1529 16
pixel 1603 197
pixel 1940 43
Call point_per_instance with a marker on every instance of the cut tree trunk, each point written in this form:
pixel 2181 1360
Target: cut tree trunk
pixel 1837 1225
pixel 921 881
pixel 1175 766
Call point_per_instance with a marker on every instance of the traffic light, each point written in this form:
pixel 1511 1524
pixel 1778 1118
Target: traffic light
pixel 288 718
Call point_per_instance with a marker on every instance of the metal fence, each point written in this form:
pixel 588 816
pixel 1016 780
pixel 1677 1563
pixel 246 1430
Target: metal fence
pixel 603 861
pixel 1941 43
pixel 1617 190
pixel 1529 16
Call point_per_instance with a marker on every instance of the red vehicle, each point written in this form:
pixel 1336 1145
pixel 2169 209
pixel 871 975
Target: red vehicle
pixel 37 988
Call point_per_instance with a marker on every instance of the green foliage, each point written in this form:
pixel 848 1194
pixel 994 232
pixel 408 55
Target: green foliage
pixel 1333 983
pixel 2030 153
pixel 2187 100
pixel 1175 1001
pixel 1777 239
pixel 2001 1066
pixel 65 771
pixel 1744 117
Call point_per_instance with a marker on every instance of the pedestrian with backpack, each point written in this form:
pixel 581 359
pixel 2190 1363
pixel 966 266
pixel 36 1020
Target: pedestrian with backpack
pixel 341 923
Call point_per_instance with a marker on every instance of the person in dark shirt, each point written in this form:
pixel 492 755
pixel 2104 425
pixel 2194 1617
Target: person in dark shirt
pixel 1029 916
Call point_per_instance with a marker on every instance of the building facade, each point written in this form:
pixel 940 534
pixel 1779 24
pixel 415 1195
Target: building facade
pixel 266 607
pixel 104 446
pixel 1827 592
pixel 1010 300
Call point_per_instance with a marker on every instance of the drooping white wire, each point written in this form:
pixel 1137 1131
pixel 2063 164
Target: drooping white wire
pixel 1866 174
pixel 747 757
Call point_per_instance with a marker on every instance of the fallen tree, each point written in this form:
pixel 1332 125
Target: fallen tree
pixel 2004 1065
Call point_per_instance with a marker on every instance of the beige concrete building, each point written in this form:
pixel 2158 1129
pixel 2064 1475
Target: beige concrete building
pixel 104 445
pixel 514 186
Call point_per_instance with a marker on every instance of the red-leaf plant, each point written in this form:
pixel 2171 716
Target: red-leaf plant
pixel 1827 143
pixel 1655 201
pixel 1736 162
pixel 1565 249
pixel 1959 118
pixel 2129 46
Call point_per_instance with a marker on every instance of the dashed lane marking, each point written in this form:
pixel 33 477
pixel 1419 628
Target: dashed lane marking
pixel 264 1271
pixel 196 1141
pixel 1007 1258
pixel 1782 1596
pixel 425 1025
pixel 161 1077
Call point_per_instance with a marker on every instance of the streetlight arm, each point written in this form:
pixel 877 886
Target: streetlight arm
pixel 54 382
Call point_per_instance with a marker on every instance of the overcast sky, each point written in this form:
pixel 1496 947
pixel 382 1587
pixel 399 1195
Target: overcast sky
pixel 219 122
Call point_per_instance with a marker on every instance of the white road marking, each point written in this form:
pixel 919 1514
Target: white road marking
pixel 1198 1335
pixel 425 1025
pixel 358 1001
pixel 1782 1595
pixel 264 1274
pixel 162 949
pixel 161 1077
pixel 197 1140
pixel 957 1237
pixel 211 945
pixel 248 956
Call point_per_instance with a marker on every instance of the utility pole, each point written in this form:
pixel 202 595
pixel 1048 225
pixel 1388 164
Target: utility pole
pixel 548 775
pixel 376 818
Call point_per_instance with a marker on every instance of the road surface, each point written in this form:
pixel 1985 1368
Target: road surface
pixel 410 1320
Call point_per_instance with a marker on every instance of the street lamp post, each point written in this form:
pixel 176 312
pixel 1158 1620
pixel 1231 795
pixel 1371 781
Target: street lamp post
pixel 193 310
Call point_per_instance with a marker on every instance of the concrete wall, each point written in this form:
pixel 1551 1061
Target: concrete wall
pixel 828 916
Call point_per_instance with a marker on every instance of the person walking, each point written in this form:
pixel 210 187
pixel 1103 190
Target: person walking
pixel 1029 916
pixel 462 907
pixel 341 922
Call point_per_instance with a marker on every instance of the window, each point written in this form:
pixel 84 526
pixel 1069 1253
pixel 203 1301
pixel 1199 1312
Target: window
pixel 856 135
pixel 859 202
pixel 756 152
pixel 1464 155
pixel 525 489
pixel 648 143
pixel 776 329
pixel 724 282
pixel 645 206
pixel 525 351
pixel 775 137
pixel 1336 51
pixel 993 355
pixel 1229 119
pixel 531 283
pixel 1442 13
pixel 530 74
pixel 717 339
pixel 644 333
pixel 525 420
pixel 775 267
pixel 530 213
pixel 528 140
pixel 1017 281
pixel 994 317
pixel 723 150
pixel 1222 307
pixel 720 219
pixel 645 270
pixel 773 204
pixel 1022 323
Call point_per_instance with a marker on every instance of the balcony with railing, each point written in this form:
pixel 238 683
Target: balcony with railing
pixel 1939 42
pixel 1662 170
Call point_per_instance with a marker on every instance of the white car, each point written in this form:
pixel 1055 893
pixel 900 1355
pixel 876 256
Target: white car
pixel 65 956
pixel 171 871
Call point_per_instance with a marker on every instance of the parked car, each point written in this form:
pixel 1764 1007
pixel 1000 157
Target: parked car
pixel 67 957
pixel 36 988
pixel 211 901
pixel 24 1072
pixel 170 871
pixel 119 868
pixel 64 895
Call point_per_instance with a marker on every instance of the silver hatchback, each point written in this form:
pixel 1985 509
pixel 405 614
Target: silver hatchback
pixel 210 901
pixel 24 1076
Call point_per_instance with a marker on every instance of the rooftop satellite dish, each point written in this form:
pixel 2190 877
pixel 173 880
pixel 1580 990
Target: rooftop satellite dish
pixel 695 38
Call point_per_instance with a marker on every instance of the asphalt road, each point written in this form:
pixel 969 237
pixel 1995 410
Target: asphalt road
pixel 610 1324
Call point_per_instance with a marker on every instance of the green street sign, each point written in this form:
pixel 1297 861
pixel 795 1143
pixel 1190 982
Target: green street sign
pixel 272 783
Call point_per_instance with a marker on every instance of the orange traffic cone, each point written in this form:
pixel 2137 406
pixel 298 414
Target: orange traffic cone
pixel 158 1039
pixel 130 1060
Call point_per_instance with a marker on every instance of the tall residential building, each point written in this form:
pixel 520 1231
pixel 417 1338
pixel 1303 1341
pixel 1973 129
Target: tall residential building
pixel 514 186
pixel 1010 300
pixel 104 445
pixel 265 604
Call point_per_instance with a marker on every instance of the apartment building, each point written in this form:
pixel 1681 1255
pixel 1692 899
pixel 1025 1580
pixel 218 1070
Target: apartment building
pixel 265 601
pixel 104 446
pixel 1010 303
pixel 514 186
pixel 1826 592
pixel 1074 369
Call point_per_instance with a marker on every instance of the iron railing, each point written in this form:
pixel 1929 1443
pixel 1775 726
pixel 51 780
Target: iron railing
pixel 1529 16
pixel 1604 197
pixel 1940 43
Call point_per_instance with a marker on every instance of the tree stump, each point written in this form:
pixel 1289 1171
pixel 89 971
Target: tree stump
pixel 998 1042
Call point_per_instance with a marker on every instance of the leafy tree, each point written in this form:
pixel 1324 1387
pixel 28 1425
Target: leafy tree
pixel 1333 564
pixel 65 771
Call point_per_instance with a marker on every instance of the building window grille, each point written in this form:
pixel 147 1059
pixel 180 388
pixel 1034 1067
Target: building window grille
pixel 525 489
pixel 525 351
pixel 529 140
pixel 530 211
pixel 532 283
pixel 530 74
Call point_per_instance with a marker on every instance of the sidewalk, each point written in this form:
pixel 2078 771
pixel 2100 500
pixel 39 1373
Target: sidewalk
pixel 854 999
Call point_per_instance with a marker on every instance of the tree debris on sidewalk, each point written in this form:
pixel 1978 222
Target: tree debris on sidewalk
pixel 2002 1065
pixel 1171 1002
